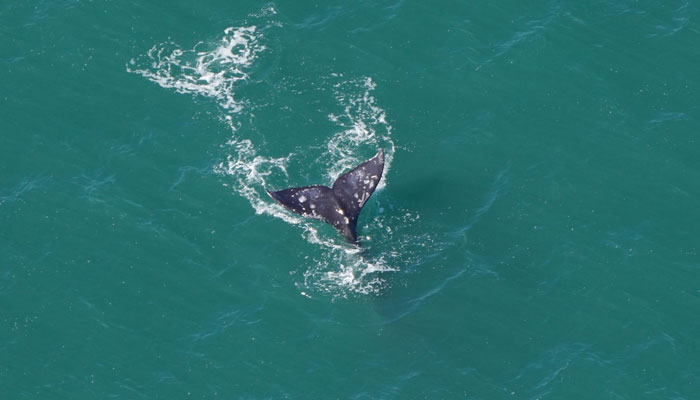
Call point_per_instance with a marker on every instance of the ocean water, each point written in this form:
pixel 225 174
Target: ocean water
pixel 535 234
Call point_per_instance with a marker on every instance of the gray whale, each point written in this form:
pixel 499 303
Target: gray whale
pixel 339 205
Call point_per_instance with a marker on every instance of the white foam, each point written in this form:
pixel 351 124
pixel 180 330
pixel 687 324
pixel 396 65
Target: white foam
pixel 354 275
pixel 363 126
pixel 211 72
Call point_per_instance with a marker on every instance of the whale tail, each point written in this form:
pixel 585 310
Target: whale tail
pixel 341 204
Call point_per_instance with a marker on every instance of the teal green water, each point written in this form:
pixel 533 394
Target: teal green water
pixel 535 235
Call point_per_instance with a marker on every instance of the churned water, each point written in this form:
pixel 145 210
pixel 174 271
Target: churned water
pixel 535 234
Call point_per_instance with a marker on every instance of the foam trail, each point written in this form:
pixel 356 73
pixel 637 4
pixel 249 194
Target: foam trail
pixel 363 124
pixel 250 171
pixel 215 71
pixel 210 73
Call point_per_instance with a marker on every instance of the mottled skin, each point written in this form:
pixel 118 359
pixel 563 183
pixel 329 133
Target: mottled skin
pixel 339 205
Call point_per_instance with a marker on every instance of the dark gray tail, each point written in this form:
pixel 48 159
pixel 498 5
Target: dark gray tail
pixel 341 204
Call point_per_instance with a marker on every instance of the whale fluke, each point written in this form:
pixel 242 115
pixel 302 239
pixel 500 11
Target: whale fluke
pixel 339 205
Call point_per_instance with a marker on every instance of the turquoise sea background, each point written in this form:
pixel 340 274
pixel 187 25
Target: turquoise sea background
pixel 535 236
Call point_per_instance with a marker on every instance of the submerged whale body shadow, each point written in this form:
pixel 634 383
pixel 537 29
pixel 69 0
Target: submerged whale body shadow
pixel 339 205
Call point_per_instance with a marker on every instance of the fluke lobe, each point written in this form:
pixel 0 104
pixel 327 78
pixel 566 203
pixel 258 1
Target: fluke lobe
pixel 339 205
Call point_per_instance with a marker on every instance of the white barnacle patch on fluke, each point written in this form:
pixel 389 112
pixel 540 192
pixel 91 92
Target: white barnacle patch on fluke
pixel 361 200
pixel 302 198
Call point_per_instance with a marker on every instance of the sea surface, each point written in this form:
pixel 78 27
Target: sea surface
pixel 535 234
